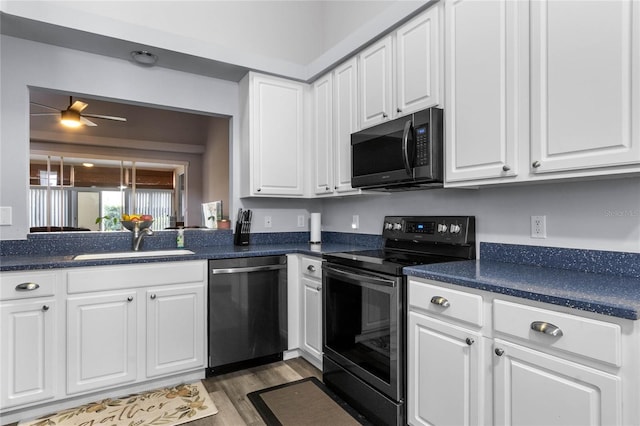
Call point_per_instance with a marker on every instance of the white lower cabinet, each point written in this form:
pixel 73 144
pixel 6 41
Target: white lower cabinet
pixel 311 310
pixel 99 329
pixel 175 329
pixel 445 384
pixel 102 333
pixel 29 333
pixel 518 362
pixel 534 388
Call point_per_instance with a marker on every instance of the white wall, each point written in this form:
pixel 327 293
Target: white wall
pixel 24 64
pixel 600 215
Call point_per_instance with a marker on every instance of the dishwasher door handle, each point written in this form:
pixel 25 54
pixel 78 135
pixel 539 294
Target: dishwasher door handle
pixel 247 269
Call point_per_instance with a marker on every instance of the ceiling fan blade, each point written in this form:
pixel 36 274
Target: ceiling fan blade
pixel 78 106
pixel 87 122
pixel 105 117
pixel 38 114
pixel 45 106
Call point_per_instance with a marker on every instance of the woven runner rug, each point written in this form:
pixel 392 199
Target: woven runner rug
pixel 305 402
pixel 166 407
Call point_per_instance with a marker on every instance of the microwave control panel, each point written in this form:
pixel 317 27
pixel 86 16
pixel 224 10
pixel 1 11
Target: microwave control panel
pixel 422 145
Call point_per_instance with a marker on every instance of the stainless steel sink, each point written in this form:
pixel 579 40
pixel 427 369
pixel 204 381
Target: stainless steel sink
pixel 127 254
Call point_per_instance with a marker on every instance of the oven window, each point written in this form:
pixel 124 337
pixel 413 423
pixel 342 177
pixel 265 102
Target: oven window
pixel 378 155
pixel 359 326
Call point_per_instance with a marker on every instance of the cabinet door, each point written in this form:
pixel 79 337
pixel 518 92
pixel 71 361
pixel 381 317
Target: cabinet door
pixel 28 356
pixel 101 341
pixel 345 121
pixel 445 375
pixel 323 135
pixel 484 89
pixel 375 69
pixel 312 318
pixel 585 84
pixel 277 136
pixel 533 388
pixel 175 329
pixel 418 63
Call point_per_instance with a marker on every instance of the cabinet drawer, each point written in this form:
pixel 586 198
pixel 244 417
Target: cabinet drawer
pixel 311 268
pixel 101 278
pixel 582 336
pixel 446 302
pixel 24 285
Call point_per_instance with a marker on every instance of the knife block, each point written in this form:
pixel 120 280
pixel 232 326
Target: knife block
pixel 240 238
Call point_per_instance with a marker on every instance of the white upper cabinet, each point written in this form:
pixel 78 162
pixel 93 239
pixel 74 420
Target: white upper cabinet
pixel 376 83
pixel 335 117
pixel 540 90
pixel 418 64
pixel 482 89
pixel 345 122
pixel 272 136
pixel 394 84
pixel 323 134
pixel 585 84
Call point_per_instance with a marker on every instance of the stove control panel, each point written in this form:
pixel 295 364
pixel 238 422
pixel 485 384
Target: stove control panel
pixel 444 229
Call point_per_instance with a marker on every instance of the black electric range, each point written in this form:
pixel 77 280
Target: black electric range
pixel 414 240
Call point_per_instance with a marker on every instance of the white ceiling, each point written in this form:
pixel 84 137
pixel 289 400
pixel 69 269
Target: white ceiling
pixel 143 123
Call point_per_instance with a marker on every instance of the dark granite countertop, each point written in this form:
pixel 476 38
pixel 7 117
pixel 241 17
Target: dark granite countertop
pixel 608 294
pixel 35 262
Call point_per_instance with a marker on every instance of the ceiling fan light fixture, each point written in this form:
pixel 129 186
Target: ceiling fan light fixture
pixel 70 118
pixel 144 57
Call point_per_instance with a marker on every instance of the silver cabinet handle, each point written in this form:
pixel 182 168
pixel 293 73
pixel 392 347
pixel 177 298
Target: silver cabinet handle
pixel 319 288
pixel 259 189
pixel 27 287
pixel 153 297
pixel 45 308
pixel 506 168
pixel 130 299
pixel 311 268
pixel 546 328
pixel 536 164
pixel 469 341
pixel 398 109
pixel 440 301
pixel 384 115
pixel 499 351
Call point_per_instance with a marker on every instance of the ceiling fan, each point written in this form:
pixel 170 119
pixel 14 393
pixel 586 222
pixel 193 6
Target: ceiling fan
pixel 72 116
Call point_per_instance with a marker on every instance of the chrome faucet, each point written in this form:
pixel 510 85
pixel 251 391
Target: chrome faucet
pixel 138 234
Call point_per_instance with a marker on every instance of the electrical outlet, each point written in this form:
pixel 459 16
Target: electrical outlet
pixel 538 227
pixel 5 216
pixel 300 221
pixel 355 222
pixel 267 221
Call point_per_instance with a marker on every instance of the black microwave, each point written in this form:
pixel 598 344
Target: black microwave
pixel 401 154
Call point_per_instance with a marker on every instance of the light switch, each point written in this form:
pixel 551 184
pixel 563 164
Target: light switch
pixel 5 215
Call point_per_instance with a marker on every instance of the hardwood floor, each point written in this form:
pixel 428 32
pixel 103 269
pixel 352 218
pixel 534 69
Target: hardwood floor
pixel 229 391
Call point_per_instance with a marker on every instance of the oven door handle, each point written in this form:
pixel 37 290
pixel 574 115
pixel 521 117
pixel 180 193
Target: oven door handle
pixel 360 276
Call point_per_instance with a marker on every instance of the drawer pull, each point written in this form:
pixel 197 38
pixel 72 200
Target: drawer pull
pixel 27 287
pixel 546 328
pixel 440 301
pixel 311 268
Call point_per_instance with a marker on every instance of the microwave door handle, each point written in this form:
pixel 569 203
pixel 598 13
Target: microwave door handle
pixel 405 147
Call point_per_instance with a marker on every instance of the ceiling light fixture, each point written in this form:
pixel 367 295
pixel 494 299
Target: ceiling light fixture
pixel 87 164
pixel 70 118
pixel 144 57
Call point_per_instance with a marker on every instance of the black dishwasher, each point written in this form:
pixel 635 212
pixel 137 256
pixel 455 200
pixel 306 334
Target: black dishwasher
pixel 247 312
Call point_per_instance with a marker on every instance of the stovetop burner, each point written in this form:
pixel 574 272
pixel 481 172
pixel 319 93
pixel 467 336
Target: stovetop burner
pixel 414 240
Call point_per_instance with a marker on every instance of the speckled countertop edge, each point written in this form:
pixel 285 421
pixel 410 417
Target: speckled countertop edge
pixel 613 295
pixel 31 262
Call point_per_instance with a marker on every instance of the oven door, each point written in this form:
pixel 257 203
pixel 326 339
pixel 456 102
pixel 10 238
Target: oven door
pixel 363 326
